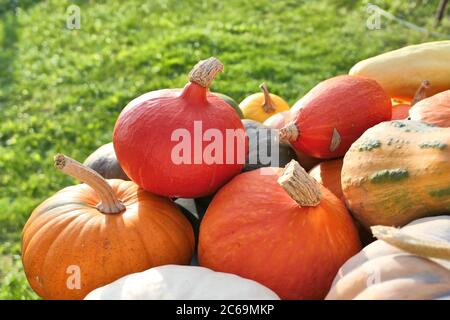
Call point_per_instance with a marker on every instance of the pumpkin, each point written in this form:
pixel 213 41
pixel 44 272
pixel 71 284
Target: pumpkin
pixel 176 143
pixel 88 235
pixel 278 120
pixel 283 230
pixel 260 106
pixel 400 111
pixel 182 283
pixel 334 114
pixel 399 71
pixel 408 263
pixel 104 162
pixel 433 110
pixel 230 102
pixel 328 173
pixel 396 172
pixel 261 141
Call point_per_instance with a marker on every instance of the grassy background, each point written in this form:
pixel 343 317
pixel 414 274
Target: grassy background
pixel 61 90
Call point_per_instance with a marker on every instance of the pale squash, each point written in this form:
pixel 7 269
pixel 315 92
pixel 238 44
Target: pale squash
pixel 433 110
pixel 172 282
pixel 399 71
pixel 411 263
pixel 396 172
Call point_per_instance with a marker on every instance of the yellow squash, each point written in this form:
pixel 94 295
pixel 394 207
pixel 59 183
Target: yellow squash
pixel 261 106
pixel 401 71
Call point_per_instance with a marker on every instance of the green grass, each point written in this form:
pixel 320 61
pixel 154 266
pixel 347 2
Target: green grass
pixel 61 90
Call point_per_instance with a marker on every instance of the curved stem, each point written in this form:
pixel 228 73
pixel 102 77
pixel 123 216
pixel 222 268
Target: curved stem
pixel 300 186
pixel 109 203
pixel 205 71
pixel 421 92
pixel 268 105
pixel 411 244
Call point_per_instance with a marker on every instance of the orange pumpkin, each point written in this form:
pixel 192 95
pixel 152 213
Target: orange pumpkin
pixel 88 235
pixel 400 111
pixel 280 228
pixel 328 173
pixel 433 110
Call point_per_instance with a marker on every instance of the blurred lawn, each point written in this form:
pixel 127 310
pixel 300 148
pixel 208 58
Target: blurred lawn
pixel 61 90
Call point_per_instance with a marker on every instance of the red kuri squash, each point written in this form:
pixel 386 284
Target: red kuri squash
pixel 181 143
pixel 283 230
pixel 400 111
pixel 433 110
pixel 334 114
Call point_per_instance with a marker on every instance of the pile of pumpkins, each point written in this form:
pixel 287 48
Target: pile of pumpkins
pixel 362 155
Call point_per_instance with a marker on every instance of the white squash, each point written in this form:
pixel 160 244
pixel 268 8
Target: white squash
pixel 414 265
pixel 173 282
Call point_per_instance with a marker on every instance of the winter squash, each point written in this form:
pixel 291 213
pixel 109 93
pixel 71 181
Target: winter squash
pixel 88 235
pixel 433 110
pixel 261 141
pixel 400 111
pixel 182 283
pixel 278 120
pixel 399 71
pixel 328 173
pixel 230 102
pixel 190 210
pixel 284 230
pixel 408 263
pixel 178 143
pixel 260 106
pixel 396 172
pixel 345 107
pixel 104 162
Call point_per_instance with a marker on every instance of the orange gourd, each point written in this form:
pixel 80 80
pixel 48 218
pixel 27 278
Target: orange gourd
pixel 328 173
pixel 88 235
pixel 400 111
pixel 434 110
pixel 283 230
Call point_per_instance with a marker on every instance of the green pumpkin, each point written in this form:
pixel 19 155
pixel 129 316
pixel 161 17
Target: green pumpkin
pixel 104 161
pixel 231 102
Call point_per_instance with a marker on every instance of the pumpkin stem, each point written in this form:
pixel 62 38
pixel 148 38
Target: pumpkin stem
pixel 421 92
pixel 268 105
pixel 289 132
pixel 300 186
pixel 109 203
pixel 205 71
pixel 411 244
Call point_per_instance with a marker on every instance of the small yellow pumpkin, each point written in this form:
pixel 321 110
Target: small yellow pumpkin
pixel 261 106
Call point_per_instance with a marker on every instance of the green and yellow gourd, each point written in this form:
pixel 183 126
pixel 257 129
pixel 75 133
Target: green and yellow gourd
pixel 396 172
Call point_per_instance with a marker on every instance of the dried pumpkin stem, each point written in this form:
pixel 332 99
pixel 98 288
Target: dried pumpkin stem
pixel 421 92
pixel 412 244
pixel 289 133
pixel 300 186
pixel 268 105
pixel 205 71
pixel 109 203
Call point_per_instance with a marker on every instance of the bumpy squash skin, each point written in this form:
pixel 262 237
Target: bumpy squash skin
pixel 396 172
pixel 400 71
pixel 104 161
pixel 433 110
pixel 381 271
